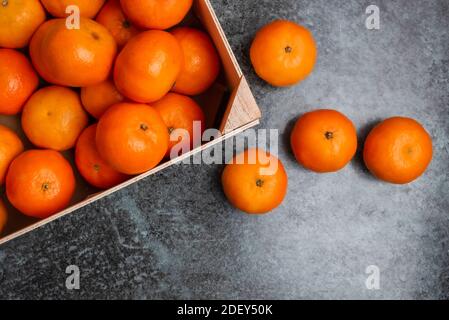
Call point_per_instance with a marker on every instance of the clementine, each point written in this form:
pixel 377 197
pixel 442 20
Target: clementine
pixel 113 18
pixel 97 98
pixel 40 183
pixel 73 57
pixel 147 67
pixel 156 14
pixel 132 138
pixel 18 21
pixel 249 188
pixel 283 53
pixel 324 140
pixel 90 164
pixel 180 112
pixel 3 216
pixel 53 118
pixel 10 147
pixel 201 61
pixel 87 8
pixel 18 80
pixel 398 150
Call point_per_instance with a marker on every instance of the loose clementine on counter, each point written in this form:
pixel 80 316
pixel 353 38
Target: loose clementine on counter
pixel 3 216
pixel 324 140
pixel 180 112
pixel 53 118
pixel 114 19
pixel 73 57
pixel 156 14
pixel 398 150
pixel 88 8
pixel 98 98
pixel 18 80
pixel 283 53
pixel 201 62
pixel 10 147
pixel 18 21
pixel 148 66
pixel 91 165
pixel 40 183
pixel 255 181
pixel 132 138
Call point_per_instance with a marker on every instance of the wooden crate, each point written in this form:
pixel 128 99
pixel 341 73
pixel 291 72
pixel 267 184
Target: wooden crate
pixel 229 106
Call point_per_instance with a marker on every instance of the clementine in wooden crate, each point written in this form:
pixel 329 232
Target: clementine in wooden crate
pixel 398 150
pixel 156 14
pixel 98 98
pixel 73 57
pixel 3 216
pixel 324 140
pixel 19 19
pixel 201 62
pixel 148 66
pixel 18 80
pixel 114 19
pixel 40 183
pixel 132 137
pixel 88 8
pixel 283 53
pixel 180 112
pixel 255 182
pixel 10 147
pixel 91 165
pixel 53 118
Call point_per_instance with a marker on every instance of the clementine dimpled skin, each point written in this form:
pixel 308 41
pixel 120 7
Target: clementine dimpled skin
pixel 251 189
pixel 88 8
pixel 147 67
pixel 180 112
pixel 132 137
pixel 324 140
pixel 18 21
pixel 53 118
pixel 10 147
pixel 73 57
pixel 3 216
pixel 156 14
pixel 91 165
pixel 18 80
pixel 398 150
pixel 283 53
pixel 98 98
pixel 40 183
pixel 201 62
pixel 113 18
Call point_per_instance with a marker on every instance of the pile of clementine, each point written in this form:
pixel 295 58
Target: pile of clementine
pixel 113 86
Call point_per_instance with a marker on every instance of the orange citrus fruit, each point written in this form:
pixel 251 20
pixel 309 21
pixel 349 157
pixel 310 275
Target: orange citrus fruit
pixel 132 137
pixel 148 66
pixel 283 53
pixel 19 19
pixel 98 98
pixel 73 57
pixel 201 62
pixel 156 14
pixel 40 183
pixel 18 80
pixel 53 118
pixel 398 150
pixel 10 147
pixel 249 188
pixel 90 164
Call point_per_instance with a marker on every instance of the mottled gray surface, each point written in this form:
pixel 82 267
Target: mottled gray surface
pixel 175 236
